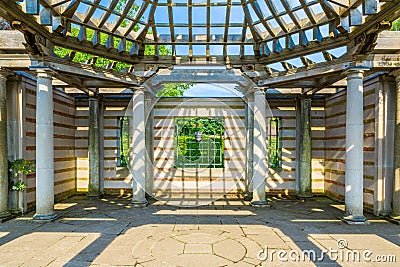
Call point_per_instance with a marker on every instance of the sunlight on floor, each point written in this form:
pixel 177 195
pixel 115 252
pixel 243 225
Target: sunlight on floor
pixel 64 206
pixel 206 212
pixel 2 234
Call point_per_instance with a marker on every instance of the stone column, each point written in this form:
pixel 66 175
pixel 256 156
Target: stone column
pixel 13 140
pixel 44 147
pixel 305 149
pixel 390 119
pixel 384 138
pixel 101 144
pixel 149 115
pixel 298 142
pixel 249 146
pixel 4 214
pixel 354 147
pixel 138 149
pixel 396 183
pixel 260 150
pixel 94 147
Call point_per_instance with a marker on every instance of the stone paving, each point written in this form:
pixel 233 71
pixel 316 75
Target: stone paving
pixel 228 232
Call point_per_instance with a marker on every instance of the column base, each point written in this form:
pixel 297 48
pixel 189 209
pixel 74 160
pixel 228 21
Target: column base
pixel 93 195
pixel 354 219
pixel 16 211
pixel 149 196
pixel 305 196
pixel 259 204
pixel 6 216
pixel 385 213
pixel 248 196
pixel 139 203
pixel 42 218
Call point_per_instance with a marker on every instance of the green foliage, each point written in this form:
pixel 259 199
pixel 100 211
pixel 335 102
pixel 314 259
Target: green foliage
pixel 209 126
pixel 22 166
pixel 19 186
pixel 81 57
pixel 274 144
pixel 396 25
pixel 124 141
pixel 174 89
pixel 273 153
pixel 189 148
pixel 207 153
pixel 16 167
pixel 120 7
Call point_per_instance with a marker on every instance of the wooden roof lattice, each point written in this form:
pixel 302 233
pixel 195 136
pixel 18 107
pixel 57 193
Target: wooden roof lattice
pixel 235 32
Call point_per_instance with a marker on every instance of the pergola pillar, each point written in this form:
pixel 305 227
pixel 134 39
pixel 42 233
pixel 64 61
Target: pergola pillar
pixel 138 149
pixel 354 147
pixel 4 214
pixel 396 183
pixel 16 199
pixel 249 146
pixel 44 147
pixel 94 147
pixel 149 115
pixel 305 148
pixel 260 150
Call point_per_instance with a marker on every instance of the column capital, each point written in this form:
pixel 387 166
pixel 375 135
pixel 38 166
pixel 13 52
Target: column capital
pixel 43 72
pixel 257 91
pixel 94 95
pixel 95 98
pixel 3 74
pixel 249 97
pixel 304 97
pixel 355 72
pixel 396 74
pixel 138 90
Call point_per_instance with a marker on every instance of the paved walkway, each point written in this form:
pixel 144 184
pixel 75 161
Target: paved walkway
pixel 108 232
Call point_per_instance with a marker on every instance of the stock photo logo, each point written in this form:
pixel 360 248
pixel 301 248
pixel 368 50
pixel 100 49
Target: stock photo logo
pixel 340 253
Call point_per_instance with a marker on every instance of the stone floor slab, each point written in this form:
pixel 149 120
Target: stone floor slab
pixel 109 232
pixel 202 248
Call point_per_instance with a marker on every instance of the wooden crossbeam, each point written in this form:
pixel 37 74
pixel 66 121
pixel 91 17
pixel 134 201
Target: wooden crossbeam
pixel 70 10
pixel 226 29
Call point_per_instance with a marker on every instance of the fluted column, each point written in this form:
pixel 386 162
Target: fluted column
pixel 396 183
pixel 138 149
pixel 44 147
pixel 260 150
pixel 305 149
pixel 94 147
pixel 354 147
pixel 4 214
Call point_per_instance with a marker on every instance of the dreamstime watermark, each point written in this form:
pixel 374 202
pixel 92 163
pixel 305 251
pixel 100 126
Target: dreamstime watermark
pixel 342 254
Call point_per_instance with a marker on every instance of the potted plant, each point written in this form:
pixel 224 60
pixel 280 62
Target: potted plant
pixel 17 168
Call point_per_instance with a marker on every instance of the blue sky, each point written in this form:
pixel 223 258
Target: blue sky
pixel 212 90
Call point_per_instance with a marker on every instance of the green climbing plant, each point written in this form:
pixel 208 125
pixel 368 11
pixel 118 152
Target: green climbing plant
pixel 396 25
pixel 16 167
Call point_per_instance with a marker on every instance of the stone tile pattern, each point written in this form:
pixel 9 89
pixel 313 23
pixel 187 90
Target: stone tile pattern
pixel 109 232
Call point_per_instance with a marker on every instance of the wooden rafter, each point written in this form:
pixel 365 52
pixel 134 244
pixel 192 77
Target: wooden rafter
pixel 283 25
